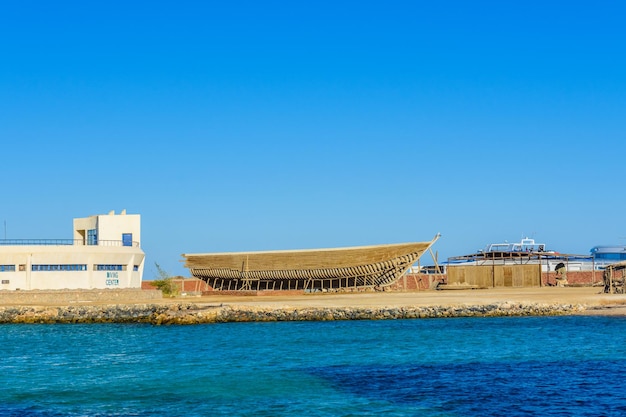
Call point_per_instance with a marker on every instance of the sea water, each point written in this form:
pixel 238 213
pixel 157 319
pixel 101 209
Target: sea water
pixel 549 366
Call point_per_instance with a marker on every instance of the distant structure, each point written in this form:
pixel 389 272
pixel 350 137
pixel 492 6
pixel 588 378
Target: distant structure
pixel 105 252
pixel 527 264
pixel 309 270
pixel 614 253
pixel 528 252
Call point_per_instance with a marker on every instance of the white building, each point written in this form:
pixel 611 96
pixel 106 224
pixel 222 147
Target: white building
pixel 104 253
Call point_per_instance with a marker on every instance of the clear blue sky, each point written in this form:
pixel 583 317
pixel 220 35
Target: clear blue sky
pixel 246 125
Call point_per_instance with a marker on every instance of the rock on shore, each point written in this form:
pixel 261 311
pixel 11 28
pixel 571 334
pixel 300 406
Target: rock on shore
pixel 192 313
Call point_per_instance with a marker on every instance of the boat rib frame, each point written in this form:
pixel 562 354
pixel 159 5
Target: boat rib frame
pixel 307 270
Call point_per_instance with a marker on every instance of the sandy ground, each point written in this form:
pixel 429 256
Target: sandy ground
pixel 596 302
pixel 592 297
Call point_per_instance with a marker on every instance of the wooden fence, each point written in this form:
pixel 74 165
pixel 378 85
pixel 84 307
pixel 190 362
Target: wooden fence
pixel 494 276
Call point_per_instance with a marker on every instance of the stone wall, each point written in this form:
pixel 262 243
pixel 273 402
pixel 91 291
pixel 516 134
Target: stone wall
pixel 579 278
pixel 198 314
pixel 60 297
pixel 417 282
pixel 184 285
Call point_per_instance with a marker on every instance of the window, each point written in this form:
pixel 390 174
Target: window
pixel 7 268
pixel 5 281
pixel 109 267
pixel 135 267
pixel 55 267
pixel 92 237
pixel 127 239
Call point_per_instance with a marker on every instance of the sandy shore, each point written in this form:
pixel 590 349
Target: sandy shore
pixel 590 297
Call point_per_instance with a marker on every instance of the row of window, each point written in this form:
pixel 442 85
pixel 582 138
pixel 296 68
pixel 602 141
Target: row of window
pixel 109 267
pixel 611 256
pixel 71 267
pixel 67 267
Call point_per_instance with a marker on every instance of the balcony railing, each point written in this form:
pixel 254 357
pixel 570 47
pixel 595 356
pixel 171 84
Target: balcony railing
pixel 62 242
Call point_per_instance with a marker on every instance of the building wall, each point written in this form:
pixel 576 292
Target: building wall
pixel 417 282
pixel 110 227
pixel 582 278
pixel 67 256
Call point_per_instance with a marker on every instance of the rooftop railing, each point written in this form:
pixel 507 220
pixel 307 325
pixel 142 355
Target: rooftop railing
pixel 64 242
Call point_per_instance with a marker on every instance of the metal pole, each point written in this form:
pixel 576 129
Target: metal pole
pixel 593 269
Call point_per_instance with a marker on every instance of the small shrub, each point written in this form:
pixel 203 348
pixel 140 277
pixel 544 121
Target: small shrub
pixel 165 282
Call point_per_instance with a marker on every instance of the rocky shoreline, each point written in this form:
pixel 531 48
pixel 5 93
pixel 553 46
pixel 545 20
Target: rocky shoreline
pixel 193 313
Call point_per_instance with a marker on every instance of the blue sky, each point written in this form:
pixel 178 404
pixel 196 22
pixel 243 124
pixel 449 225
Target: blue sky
pixel 241 125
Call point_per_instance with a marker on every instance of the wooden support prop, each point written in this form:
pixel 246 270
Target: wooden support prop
pixel 435 260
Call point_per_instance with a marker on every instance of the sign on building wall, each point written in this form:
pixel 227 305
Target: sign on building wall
pixel 112 279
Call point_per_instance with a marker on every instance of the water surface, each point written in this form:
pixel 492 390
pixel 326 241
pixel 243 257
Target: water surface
pixel 558 366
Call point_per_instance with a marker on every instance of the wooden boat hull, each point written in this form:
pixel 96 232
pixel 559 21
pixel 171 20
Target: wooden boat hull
pixel 363 266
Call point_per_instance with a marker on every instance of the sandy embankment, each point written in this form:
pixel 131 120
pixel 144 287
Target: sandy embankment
pixel 593 301
pixel 591 297
pixel 588 296
pixel 359 306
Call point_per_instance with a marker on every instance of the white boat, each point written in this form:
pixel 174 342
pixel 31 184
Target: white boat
pixel 526 245
pixel 524 252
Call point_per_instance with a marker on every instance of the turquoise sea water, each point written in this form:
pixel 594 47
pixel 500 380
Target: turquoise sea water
pixel 557 366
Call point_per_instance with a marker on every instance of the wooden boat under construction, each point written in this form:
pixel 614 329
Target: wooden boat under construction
pixel 311 269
